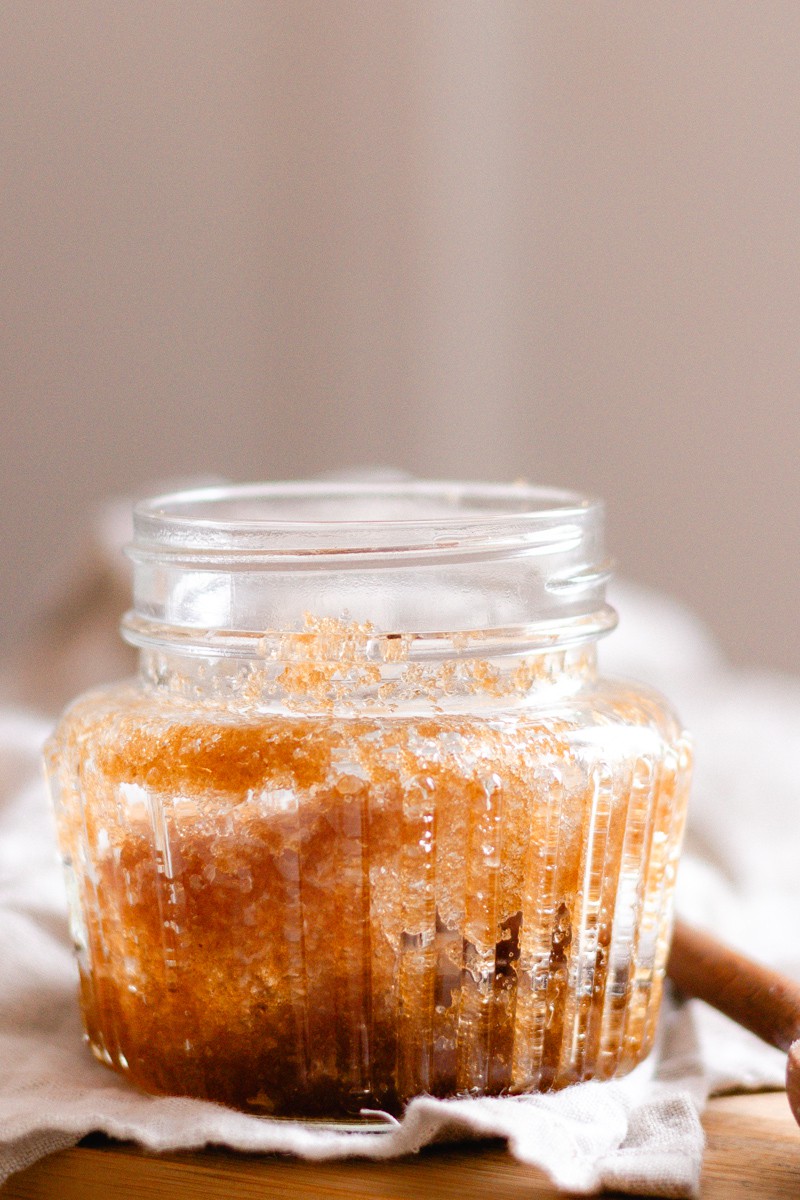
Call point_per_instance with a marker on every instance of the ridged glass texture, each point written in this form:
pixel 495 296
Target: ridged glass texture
pixel 311 913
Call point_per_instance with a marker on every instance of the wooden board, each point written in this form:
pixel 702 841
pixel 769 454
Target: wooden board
pixel 753 1152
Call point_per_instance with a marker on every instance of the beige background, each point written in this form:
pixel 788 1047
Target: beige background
pixel 553 240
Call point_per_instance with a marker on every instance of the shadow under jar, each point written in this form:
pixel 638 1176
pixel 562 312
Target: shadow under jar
pixel 368 824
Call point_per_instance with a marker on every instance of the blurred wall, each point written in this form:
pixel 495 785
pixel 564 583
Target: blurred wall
pixel 556 240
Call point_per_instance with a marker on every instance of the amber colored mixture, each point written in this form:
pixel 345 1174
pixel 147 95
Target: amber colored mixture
pixel 314 915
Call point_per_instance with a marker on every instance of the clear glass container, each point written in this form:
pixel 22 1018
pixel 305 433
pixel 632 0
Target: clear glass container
pixel 369 824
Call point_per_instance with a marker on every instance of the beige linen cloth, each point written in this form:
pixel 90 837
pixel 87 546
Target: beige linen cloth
pixel 639 1134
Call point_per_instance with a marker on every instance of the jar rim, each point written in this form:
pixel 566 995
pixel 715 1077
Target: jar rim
pixel 321 517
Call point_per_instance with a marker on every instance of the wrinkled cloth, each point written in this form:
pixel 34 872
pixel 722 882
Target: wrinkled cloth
pixel 639 1134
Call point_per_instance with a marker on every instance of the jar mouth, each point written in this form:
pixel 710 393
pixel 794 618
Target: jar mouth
pixel 309 519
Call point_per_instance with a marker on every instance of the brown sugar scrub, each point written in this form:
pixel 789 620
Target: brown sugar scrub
pixel 320 864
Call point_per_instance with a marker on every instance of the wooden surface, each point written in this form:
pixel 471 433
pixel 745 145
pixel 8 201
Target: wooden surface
pixel 753 1152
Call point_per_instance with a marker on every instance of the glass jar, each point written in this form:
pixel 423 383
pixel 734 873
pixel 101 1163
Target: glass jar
pixel 368 824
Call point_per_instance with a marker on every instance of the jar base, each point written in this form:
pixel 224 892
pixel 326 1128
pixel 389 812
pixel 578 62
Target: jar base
pixel 329 1106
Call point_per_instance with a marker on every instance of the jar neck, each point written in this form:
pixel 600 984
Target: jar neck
pixel 325 674
pixel 321 596
pixel 491 562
